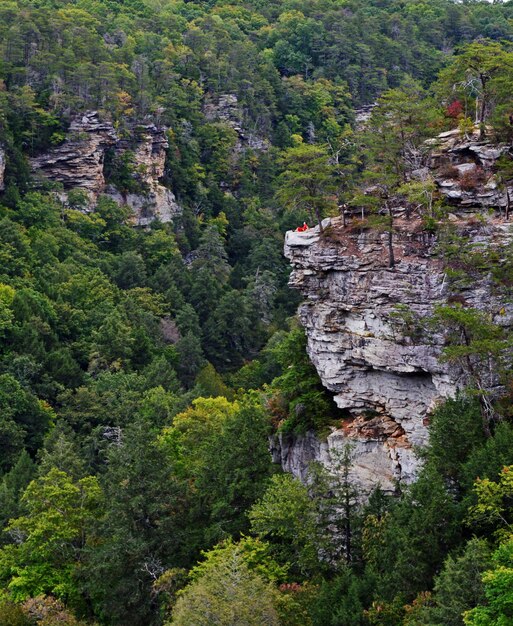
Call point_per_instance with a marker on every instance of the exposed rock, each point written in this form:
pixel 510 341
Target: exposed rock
pixel 463 168
pixel 363 115
pixel 226 108
pixel 2 169
pixel 384 378
pixel 169 330
pixel 78 162
pixel 149 145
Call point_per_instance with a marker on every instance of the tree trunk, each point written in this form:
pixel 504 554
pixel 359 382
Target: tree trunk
pixel 482 111
pixel 319 218
pixel 508 202
pixel 391 258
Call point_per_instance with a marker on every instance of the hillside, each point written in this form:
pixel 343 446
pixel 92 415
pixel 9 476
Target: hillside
pixel 208 417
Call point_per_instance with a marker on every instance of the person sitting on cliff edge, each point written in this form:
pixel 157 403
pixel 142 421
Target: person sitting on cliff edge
pixel 301 229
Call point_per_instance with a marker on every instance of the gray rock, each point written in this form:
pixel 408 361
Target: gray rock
pixel 469 155
pixel 226 108
pixel 385 378
pixel 148 144
pixel 2 169
pixel 79 164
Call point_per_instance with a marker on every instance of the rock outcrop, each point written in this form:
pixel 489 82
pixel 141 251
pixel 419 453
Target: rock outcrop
pixel 79 163
pixel 2 169
pixel 148 145
pixel 386 379
pixel 464 170
pixel 226 108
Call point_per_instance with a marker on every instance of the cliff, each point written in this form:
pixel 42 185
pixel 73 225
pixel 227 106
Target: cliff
pixel 148 145
pixel 2 169
pixel 226 108
pixel 79 163
pixel 385 379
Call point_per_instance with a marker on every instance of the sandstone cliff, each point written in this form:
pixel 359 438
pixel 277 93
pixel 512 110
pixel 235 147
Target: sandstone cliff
pixel 148 145
pixel 226 108
pixel 79 163
pixel 2 168
pixel 385 380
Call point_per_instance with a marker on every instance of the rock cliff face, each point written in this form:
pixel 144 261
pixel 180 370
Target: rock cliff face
pixel 463 169
pixel 79 163
pixel 2 169
pixel 149 146
pixel 226 108
pixel 385 379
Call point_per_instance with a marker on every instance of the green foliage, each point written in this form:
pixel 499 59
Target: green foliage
pixel 297 400
pixel 223 485
pixel 307 184
pixel 55 531
pixel 254 552
pixel 287 518
pixel 479 73
pixel 456 426
pixel 106 329
pixel 459 587
pixel 227 592
pixel 497 583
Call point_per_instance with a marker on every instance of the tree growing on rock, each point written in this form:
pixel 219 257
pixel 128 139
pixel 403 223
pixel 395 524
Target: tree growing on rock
pixel 307 183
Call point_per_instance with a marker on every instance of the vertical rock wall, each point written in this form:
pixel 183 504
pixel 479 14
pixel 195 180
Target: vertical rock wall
pixel 79 163
pixel 385 379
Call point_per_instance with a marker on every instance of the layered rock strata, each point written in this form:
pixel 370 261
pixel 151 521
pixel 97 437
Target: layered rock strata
pixel 386 378
pixel 2 169
pixel 226 108
pixel 149 147
pixel 79 163
pixel 464 169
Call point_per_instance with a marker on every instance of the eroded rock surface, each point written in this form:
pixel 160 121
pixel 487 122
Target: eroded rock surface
pixel 2 169
pixel 386 378
pixel 148 146
pixel 79 163
pixel 464 169
pixel 226 108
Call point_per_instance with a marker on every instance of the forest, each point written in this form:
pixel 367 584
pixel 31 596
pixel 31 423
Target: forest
pixel 144 371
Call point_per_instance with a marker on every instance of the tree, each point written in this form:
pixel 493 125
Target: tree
pixel 498 583
pixel 298 401
pixel 139 531
pixel 479 72
pixel 24 420
pixel 455 432
pixel 49 541
pixel 475 342
pixel 230 335
pixel 459 586
pixel 12 486
pixel 398 125
pixel 227 592
pixel 286 517
pixel 307 183
pixel 493 507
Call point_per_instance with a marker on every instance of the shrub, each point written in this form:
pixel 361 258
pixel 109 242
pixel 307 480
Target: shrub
pixel 472 179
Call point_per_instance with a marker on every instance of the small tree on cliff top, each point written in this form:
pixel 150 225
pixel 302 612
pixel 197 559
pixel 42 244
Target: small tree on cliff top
pixel 481 73
pixel 308 181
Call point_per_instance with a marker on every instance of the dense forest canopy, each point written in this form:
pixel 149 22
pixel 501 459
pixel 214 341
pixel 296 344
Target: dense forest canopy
pixel 142 370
